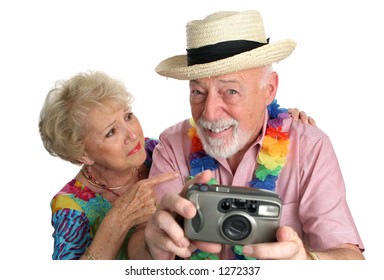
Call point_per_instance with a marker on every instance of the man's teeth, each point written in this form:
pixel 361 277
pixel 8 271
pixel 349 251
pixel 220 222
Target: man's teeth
pixel 218 130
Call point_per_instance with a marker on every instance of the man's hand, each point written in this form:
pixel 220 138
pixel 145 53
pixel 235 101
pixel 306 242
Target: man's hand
pixel 288 247
pixel 165 236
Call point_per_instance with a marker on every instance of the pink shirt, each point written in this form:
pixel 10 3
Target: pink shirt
pixel 311 184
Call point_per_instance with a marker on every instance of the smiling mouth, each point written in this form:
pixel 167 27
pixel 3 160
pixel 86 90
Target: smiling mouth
pixel 135 149
pixel 218 130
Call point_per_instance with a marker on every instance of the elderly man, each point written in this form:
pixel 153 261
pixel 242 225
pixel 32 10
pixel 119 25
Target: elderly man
pixel 238 135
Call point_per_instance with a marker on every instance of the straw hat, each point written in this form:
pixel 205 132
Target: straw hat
pixel 223 43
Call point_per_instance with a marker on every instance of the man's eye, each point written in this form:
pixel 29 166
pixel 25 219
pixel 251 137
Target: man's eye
pixel 197 96
pixel 232 92
pixel 196 92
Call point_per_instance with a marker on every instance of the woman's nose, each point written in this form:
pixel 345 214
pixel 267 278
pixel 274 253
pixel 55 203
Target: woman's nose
pixel 130 134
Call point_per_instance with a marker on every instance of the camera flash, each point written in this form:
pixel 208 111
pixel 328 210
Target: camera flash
pixel 269 210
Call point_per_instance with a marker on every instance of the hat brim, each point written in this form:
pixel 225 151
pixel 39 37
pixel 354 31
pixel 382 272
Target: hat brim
pixel 176 67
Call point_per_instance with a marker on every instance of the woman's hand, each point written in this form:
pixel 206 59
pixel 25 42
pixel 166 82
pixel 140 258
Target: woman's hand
pixel 138 203
pixel 296 114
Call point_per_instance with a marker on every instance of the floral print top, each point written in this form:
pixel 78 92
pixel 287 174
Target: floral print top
pixel 77 212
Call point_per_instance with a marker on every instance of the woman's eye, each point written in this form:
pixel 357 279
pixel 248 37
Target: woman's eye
pixel 110 133
pixel 129 117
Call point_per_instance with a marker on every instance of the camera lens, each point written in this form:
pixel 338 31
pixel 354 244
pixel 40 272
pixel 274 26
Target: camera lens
pixel 225 205
pixel 236 227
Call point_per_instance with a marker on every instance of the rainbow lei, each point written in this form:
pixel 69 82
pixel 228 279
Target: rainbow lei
pixel 271 159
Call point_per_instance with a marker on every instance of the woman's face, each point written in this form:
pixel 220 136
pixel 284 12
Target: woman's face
pixel 114 138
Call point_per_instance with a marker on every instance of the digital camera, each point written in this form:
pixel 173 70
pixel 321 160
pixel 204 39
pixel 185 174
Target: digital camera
pixel 233 215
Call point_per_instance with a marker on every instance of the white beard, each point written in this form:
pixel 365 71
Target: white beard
pixel 224 147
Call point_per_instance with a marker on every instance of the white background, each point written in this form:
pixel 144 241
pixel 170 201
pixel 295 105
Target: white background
pixel 335 75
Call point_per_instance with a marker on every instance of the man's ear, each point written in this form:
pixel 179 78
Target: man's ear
pixel 271 87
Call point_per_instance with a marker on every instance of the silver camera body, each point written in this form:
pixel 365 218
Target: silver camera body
pixel 233 215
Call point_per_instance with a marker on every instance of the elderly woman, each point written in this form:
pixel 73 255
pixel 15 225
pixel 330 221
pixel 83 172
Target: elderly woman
pixel 88 120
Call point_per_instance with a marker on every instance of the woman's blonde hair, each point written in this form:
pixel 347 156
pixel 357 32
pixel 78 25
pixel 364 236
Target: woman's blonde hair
pixel 62 118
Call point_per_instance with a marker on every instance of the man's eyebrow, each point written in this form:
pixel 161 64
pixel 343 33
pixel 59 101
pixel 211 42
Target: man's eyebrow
pixel 229 81
pixel 220 80
pixel 195 82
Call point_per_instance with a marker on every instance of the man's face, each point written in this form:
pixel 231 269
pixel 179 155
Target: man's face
pixel 229 109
